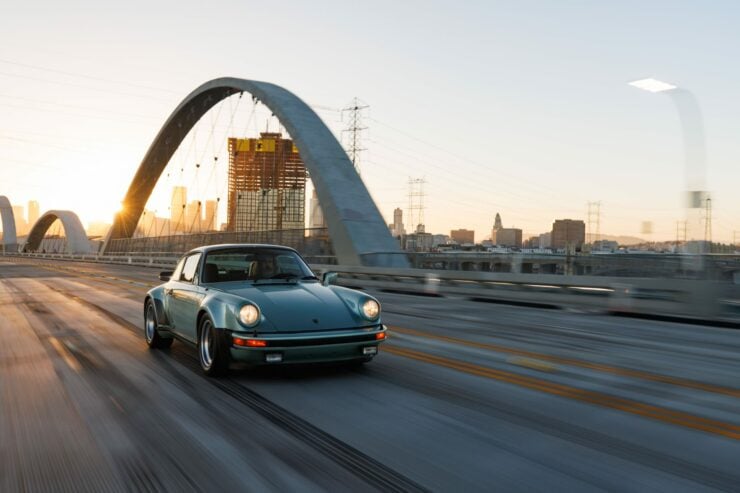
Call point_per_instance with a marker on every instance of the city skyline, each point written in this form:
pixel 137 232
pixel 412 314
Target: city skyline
pixel 535 139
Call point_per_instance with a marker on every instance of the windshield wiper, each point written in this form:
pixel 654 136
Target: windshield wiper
pixel 287 276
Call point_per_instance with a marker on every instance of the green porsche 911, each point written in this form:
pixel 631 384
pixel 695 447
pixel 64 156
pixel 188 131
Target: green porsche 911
pixel 260 305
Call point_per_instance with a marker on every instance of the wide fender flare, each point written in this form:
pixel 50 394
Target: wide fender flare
pixel 220 313
pixel 157 296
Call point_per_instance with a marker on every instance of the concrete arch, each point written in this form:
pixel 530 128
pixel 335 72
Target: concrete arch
pixel 357 229
pixel 77 241
pixel 6 212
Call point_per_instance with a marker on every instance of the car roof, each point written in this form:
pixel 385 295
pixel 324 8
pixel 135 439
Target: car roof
pixel 226 246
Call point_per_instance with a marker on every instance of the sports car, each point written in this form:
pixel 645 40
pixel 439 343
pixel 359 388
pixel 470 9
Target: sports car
pixel 260 305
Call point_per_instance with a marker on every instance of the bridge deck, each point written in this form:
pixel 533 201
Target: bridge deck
pixel 467 396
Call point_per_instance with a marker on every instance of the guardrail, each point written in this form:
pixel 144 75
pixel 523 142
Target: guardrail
pixel 687 299
pixel 134 260
pixel 681 299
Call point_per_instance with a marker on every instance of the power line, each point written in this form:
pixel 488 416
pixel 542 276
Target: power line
pixel 82 86
pixel 85 76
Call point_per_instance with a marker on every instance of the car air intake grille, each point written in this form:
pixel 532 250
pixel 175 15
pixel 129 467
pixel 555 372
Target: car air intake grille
pixel 321 341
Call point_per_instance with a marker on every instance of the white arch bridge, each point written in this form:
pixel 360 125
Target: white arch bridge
pixel 357 230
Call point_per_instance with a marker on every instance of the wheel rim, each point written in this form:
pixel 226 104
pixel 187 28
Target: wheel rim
pixel 150 326
pixel 206 345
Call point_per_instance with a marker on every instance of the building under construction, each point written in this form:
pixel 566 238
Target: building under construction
pixel 267 184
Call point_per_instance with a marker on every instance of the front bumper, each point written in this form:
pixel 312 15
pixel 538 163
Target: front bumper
pixel 308 347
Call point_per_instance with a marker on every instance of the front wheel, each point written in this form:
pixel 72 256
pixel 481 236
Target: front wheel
pixel 213 353
pixel 151 333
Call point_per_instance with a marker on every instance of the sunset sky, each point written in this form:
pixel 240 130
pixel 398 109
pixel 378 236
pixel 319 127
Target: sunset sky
pixel 521 108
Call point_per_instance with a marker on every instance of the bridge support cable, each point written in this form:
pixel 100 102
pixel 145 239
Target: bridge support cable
pixel 357 229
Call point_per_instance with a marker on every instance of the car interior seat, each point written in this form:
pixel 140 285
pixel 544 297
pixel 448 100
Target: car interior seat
pixel 210 273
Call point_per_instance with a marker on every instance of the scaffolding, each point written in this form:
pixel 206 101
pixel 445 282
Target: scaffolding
pixel 267 184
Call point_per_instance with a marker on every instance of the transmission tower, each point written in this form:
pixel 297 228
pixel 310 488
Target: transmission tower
pixel 594 219
pixel 681 227
pixel 354 130
pixel 416 202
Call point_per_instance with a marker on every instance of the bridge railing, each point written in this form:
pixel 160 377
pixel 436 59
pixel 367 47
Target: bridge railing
pixel 311 240
pixel 700 300
pixel 690 300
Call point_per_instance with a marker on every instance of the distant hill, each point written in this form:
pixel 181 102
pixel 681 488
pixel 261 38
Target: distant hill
pixel 623 240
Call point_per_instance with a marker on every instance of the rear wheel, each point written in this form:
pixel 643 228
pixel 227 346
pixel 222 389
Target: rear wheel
pixel 213 352
pixel 151 332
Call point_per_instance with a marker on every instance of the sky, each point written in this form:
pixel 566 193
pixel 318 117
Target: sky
pixel 520 108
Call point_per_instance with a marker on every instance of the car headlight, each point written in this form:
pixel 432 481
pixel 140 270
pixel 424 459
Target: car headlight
pixel 371 309
pixel 249 315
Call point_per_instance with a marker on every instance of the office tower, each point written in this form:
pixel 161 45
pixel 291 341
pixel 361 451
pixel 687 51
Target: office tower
pixel 209 223
pixel 177 209
pixel 462 236
pixel 568 232
pixel 33 212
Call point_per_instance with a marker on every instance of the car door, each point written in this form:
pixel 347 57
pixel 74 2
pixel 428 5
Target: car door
pixel 184 297
pixel 167 300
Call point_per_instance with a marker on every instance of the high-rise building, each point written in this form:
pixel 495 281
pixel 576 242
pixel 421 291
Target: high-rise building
pixel 193 217
pixel 568 232
pixel 462 236
pixel 546 240
pixel 267 184
pixel 209 223
pixel 21 226
pixel 506 237
pixel 497 222
pixel 315 216
pixel 33 212
pixel 146 225
pixel 177 209
pixel 397 228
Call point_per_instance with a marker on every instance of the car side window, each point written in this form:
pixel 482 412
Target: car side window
pixel 178 270
pixel 190 268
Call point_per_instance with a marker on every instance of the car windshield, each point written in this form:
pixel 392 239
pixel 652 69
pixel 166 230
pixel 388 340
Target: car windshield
pixel 254 264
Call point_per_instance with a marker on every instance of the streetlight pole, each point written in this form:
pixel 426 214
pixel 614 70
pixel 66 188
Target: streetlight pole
pixel 695 155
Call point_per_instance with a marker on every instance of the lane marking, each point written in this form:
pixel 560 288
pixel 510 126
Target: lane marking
pixel 532 364
pixel 66 355
pixel 615 370
pixel 93 276
pixel 115 403
pixel 657 413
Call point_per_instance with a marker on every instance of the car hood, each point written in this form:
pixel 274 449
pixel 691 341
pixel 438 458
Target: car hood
pixel 300 307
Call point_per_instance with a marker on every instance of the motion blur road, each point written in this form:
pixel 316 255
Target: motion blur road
pixel 465 396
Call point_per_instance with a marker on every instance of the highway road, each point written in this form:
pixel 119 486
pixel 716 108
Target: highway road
pixel 465 396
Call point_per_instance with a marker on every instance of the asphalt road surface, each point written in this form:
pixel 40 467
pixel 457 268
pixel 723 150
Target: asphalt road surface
pixel 465 396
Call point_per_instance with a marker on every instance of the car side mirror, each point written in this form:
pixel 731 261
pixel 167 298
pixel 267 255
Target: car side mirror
pixel 329 278
pixel 165 276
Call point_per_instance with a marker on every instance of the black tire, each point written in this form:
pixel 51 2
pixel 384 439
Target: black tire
pixel 213 350
pixel 151 331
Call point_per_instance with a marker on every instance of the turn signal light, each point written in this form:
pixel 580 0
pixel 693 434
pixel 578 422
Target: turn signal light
pixel 380 336
pixel 238 341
